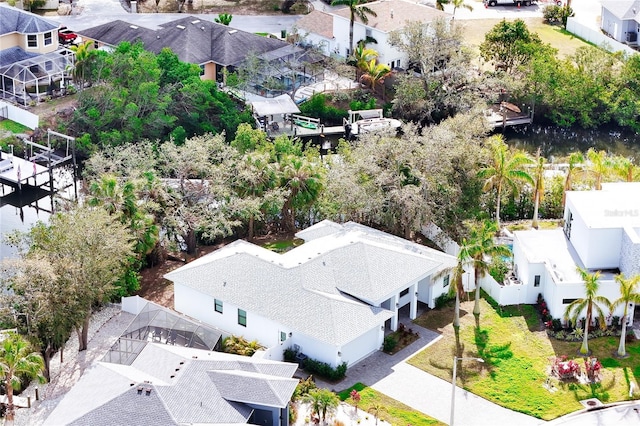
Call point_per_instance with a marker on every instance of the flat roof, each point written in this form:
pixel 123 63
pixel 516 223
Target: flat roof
pixel 615 206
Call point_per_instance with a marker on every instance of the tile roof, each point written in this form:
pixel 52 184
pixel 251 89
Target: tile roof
pixel 193 40
pixel 394 14
pixel 317 287
pixel 211 388
pixel 19 21
pixel 317 22
pixel 622 9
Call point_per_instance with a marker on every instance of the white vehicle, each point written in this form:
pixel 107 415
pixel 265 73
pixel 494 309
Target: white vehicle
pixel 508 2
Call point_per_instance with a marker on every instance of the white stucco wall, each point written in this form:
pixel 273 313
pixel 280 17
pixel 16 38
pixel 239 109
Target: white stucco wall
pixel 314 349
pixel 630 251
pixel 604 248
pixel 361 347
pixel 579 236
pixel 202 307
pixel 386 53
pixel 616 27
pixel 557 292
pixel 325 45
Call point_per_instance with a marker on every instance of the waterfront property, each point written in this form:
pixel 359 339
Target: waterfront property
pixel 331 298
pixel 601 232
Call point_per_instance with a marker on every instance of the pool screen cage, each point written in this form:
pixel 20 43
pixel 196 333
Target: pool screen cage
pixel 34 78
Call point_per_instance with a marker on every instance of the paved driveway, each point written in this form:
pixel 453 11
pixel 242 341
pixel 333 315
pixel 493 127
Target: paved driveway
pixel 391 375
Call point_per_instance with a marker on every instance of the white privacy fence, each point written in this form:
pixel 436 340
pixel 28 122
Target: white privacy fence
pixel 18 115
pixel 596 37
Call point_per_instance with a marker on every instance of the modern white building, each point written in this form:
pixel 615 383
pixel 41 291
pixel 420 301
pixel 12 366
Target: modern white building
pixel 601 232
pixel 332 297
pixel 330 31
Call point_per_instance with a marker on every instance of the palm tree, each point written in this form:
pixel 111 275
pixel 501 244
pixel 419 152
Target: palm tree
pixel 357 10
pixel 322 402
pixel 575 160
pixel 224 18
pixel 459 3
pixel 538 187
pixel 464 258
pixel 375 409
pixel 624 168
pixel 304 181
pixel 362 55
pixel 84 57
pixel 589 303
pixel 599 166
pixel 481 245
pixel 628 294
pixel 505 169
pixel 17 359
pixel 375 73
pixel 440 4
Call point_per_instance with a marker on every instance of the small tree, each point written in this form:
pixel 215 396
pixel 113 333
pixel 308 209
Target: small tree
pixel 18 359
pixel 628 294
pixel 375 409
pixel 224 18
pixel 355 397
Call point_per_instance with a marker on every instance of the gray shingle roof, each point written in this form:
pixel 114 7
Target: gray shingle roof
pixel 19 21
pixel 193 40
pixel 14 54
pixel 314 288
pixel 209 389
pixel 623 9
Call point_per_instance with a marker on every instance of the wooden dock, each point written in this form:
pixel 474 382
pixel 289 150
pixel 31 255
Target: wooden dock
pixel 505 118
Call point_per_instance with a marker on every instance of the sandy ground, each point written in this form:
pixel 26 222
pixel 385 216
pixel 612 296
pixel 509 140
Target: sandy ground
pixel 106 326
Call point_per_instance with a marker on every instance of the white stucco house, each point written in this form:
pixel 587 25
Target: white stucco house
pixel 620 20
pixel 330 31
pixel 601 232
pixel 332 297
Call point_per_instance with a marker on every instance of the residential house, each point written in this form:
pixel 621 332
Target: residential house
pixel 147 380
pixel 330 31
pixel 331 297
pixel 601 232
pixel 32 63
pixel 620 20
pixel 214 47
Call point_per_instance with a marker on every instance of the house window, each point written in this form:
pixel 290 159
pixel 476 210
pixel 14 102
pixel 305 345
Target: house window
pixel 201 70
pixel 567 301
pixel 445 281
pixel 283 336
pixel 48 39
pixel 404 292
pixel 32 40
pixel 536 281
pixel 242 317
pixel 218 305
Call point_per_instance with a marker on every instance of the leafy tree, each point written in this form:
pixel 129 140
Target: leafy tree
pixel 357 10
pixel 16 360
pixel 628 294
pixel 224 18
pixel 355 397
pixel 480 245
pixel 444 86
pixel 504 170
pixel 88 249
pixel 509 45
pixel 84 60
pixel 625 169
pixel 538 186
pixel 624 99
pixel 591 302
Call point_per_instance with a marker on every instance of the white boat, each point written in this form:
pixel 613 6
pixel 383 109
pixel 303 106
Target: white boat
pixel 367 121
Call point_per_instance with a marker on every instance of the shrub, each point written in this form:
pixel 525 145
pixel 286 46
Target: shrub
pixel 323 369
pixel 442 300
pixel 499 268
pixel 316 106
pixel 290 355
pixel 556 324
pixel 615 321
pixel 389 343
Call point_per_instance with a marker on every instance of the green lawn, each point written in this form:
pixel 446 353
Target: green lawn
pixel 516 354
pixel 392 411
pixel 13 127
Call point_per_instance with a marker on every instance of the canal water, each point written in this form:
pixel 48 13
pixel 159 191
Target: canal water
pixel 554 142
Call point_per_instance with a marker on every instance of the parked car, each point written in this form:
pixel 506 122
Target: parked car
pixel 66 36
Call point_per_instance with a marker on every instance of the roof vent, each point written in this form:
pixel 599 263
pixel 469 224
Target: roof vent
pixel 233 31
pixel 140 388
pixel 148 391
pixel 133 27
pixel 182 27
pixel 158 37
pixel 195 22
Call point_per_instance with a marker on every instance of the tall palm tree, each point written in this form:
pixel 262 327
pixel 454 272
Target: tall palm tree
pixel 459 3
pixel 480 246
pixel 17 359
pixel 375 73
pixel 362 55
pixel 599 166
pixel 591 302
pixel 357 10
pixel 304 182
pixel 506 168
pixel 538 187
pixel 575 161
pixel 464 258
pixel 624 168
pixel 628 294
pixel 83 61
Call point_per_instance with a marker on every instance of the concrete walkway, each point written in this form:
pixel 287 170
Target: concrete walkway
pixel 393 376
